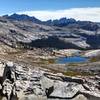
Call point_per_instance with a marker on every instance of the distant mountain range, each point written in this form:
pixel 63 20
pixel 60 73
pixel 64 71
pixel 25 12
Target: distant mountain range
pixel 87 25
pixel 23 31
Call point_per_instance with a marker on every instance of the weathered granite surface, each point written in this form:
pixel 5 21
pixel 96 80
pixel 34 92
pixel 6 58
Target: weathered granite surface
pixel 22 83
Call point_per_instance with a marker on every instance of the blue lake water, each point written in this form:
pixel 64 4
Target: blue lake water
pixel 75 59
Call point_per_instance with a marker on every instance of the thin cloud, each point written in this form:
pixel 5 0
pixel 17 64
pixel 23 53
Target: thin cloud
pixel 87 14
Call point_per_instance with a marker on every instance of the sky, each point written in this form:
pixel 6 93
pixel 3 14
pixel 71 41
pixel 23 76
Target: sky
pixel 53 9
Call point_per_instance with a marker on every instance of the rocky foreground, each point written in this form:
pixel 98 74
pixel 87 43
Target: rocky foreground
pixel 19 82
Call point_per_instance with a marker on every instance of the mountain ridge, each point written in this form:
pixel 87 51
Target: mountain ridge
pixel 92 26
pixel 29 32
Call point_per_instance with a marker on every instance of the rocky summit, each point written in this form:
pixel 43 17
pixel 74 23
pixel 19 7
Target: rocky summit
pixel 18 82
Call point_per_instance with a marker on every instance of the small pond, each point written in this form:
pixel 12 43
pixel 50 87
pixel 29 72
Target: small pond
pixel 74 59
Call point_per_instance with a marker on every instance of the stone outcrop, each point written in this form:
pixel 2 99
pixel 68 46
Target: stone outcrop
pixel 22 83
pixel 92 53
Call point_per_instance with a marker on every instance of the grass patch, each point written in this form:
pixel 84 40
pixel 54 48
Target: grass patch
pixel 48 61
pixel 75 73
pixel 73 64
pixel 94 59
pixel 1 97
pixel 51 61
pixel 16 52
